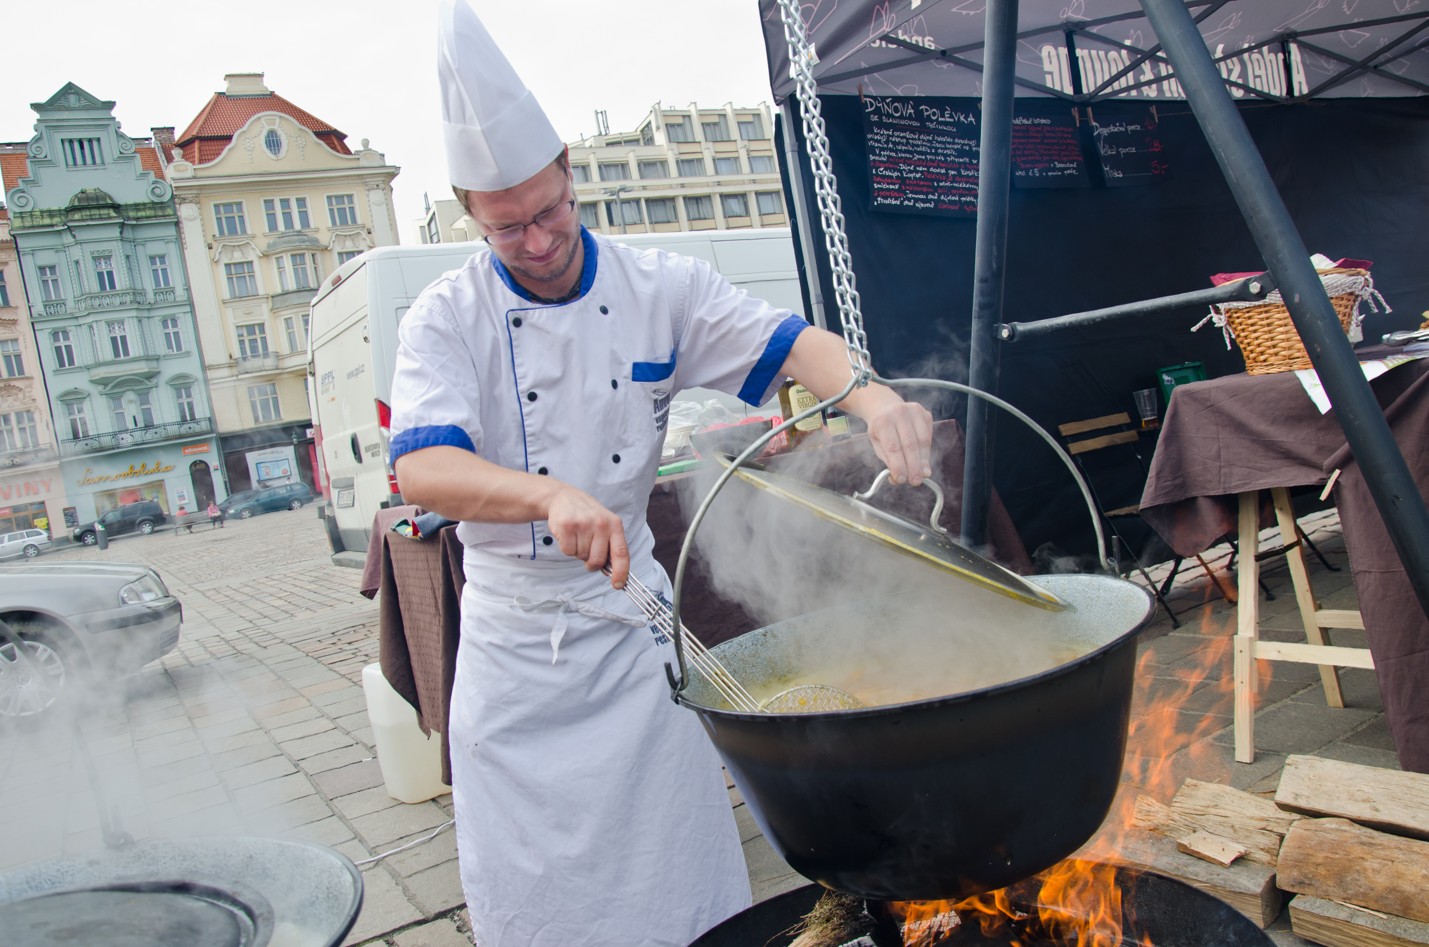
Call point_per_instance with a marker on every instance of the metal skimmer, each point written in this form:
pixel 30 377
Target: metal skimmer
pixel 805 698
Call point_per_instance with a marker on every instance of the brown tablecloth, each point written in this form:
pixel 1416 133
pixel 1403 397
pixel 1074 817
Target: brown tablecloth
pixel 1253 432
pixel 420 583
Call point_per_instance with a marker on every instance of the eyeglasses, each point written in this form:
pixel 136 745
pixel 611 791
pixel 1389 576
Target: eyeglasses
pixel 510 236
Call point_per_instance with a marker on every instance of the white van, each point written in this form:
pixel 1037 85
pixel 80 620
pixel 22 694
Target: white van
pixel 353 350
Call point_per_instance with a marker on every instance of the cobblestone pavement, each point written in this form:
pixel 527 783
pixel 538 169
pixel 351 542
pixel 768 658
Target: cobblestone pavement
pixel 256 724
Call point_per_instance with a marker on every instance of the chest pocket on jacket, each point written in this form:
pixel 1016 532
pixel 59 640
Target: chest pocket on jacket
pixel 655 379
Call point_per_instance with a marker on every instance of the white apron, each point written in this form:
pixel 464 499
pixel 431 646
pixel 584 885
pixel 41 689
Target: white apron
pixel 591 808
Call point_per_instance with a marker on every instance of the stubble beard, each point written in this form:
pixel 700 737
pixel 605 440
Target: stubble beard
pixel 552 276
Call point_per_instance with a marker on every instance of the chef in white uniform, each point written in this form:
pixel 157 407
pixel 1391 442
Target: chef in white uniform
pixel 530 403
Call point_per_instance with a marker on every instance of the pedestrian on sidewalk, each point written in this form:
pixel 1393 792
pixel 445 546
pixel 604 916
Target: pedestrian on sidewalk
pixel 530 403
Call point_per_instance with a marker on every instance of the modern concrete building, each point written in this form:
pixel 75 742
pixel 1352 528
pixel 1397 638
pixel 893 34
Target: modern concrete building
pixel 32 491
pixel 94 225
pixel 693 168
pixel 446 221
pixel 271 199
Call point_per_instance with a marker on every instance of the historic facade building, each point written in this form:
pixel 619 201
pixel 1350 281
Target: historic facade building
pixel 32 492
pixel 271 200
pixel 94 225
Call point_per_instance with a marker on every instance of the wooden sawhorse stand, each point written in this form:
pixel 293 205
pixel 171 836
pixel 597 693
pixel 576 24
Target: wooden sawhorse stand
pixel 1249 647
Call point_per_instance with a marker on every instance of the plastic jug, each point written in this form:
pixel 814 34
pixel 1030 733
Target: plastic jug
pixel 411 762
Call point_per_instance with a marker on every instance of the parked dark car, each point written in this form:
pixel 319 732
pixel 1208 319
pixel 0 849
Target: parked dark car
pixel 289 496
pixel 83 624
pixel 141 517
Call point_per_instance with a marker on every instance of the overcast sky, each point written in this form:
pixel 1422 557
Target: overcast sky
pixel 368 66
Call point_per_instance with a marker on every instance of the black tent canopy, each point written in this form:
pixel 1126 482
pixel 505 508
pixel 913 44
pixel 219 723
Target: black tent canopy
pixel 1331 94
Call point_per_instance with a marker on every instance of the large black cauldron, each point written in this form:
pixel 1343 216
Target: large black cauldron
pixel 945 796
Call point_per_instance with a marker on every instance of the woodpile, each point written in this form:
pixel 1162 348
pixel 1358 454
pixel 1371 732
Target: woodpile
pixel 1348 844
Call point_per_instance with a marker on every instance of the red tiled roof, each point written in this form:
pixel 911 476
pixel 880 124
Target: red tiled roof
pixel 214 127
pixel 149 160
pixel 13 167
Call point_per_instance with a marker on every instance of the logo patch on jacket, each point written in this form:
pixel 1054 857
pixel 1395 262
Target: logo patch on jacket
pixel 662 411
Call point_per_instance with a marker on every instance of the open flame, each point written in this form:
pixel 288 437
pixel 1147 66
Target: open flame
pixel 1079 901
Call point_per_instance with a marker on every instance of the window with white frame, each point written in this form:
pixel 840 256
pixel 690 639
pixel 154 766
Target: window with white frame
pixel 286 213
pixel 590 216
pixel 434 230
pixel 628 211
pixel 229 220
pixel 63 344
pixel 580 173
pixel 118 412
pixel 296 330
pixel 242 281
pixel 145 401
pixel 344 255
pixel 690 167
pixel 18 431
pixel 159 270
pixel 4 290
pixel 678 129
pixel 699 208
pixel 341 210
pixel 118 333
pixel 661 210
pixel 751 128
pixel 655 169
pixel 104 272
pixel 734 205
pixel 614 171
pixel 647 135
pixel 50 283
pixel 252 340
pixel 769 202
pixel 761 164
pixel 77 417
pixel 184 401
pixel 297 271
pixel 274 143
pixel 82 152
pixel 715 129
pixel 173 335
pixel 11 359
pixel 263 399
pixel 726 166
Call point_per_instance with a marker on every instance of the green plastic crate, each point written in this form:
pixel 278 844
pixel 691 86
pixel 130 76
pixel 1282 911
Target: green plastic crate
pixel 1172 375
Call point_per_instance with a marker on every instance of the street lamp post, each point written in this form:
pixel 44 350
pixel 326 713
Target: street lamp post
pixel 615 192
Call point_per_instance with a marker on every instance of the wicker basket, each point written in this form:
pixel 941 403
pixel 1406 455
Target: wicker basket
pixel 1266 335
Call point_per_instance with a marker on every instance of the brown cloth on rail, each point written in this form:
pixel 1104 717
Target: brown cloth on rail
pixel 1252 432
pixel 420 582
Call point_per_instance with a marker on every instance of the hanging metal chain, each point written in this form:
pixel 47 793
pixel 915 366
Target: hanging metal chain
pixel 816 141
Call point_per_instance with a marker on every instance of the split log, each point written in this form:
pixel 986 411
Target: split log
pixel 1335 924
pixel 1385 799
pixel 1212 848
pixel 1341 861
pixel 1253 822
pixel 1246 886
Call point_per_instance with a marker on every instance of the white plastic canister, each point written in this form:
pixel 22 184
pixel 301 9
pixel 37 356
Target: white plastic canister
pixel 411 762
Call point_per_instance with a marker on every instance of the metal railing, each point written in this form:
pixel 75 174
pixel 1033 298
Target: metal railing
pixel 136 436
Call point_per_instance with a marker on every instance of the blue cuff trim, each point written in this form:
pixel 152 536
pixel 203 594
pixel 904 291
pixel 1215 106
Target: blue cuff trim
pixel 587 272
pixel 652 371
pixel 756 386
pixel 438 435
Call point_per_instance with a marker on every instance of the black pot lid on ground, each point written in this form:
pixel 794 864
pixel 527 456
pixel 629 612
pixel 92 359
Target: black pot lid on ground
pixel 213 891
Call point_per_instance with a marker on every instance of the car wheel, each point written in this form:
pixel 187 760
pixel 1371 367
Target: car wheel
pixel 245 514
pixel 295 504
pixel 23 691
pixel 146 527
pixel 89 539
pixel 31 551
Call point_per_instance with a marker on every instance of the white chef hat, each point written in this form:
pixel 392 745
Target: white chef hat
pixel 496 134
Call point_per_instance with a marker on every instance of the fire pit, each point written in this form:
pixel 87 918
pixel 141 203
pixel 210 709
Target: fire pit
pixel 1154 911
pixel 218 892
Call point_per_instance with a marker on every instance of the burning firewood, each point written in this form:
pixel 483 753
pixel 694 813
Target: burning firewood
pixel 836 919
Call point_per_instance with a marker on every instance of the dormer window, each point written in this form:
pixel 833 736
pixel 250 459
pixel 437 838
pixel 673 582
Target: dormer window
pixel 82 152
pixel 273 142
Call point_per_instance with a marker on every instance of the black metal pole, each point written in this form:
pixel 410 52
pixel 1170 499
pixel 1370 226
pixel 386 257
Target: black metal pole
pixel 990 257
pixel 1386 474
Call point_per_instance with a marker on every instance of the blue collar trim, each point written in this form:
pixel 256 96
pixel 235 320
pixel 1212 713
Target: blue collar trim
pixel 587 273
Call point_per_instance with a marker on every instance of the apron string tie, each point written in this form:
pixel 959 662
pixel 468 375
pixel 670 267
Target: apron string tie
pixel 565 603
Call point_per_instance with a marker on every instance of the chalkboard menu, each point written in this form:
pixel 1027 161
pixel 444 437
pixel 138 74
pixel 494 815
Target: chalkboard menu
pixel 1127 143
pixel 923 150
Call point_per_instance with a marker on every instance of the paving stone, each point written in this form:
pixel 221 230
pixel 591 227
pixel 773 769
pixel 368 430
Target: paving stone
pixel 243 755
pixel 386 826
pixel 261 771
pixel 300 715
pixel 436 889
pixel 280 819
pixel 349 779
pixel 439 933
pixel 436 851
pixel 319 743
pixel 384 908
pixel 364 802
pixel 327 831
pixel 273 792
pixel 306 728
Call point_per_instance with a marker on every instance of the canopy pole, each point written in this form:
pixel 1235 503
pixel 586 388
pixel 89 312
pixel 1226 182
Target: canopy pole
pixel 990 258
pixel 802 215
pixel 1386 474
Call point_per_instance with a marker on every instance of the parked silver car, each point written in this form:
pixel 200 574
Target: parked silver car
pixel 83 624
pixel 23 542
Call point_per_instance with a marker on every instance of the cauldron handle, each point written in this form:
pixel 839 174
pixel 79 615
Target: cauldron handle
pixel 882 478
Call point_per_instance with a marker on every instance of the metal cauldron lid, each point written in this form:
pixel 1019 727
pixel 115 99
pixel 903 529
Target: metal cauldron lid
pixel 269 891
pixel 927 542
